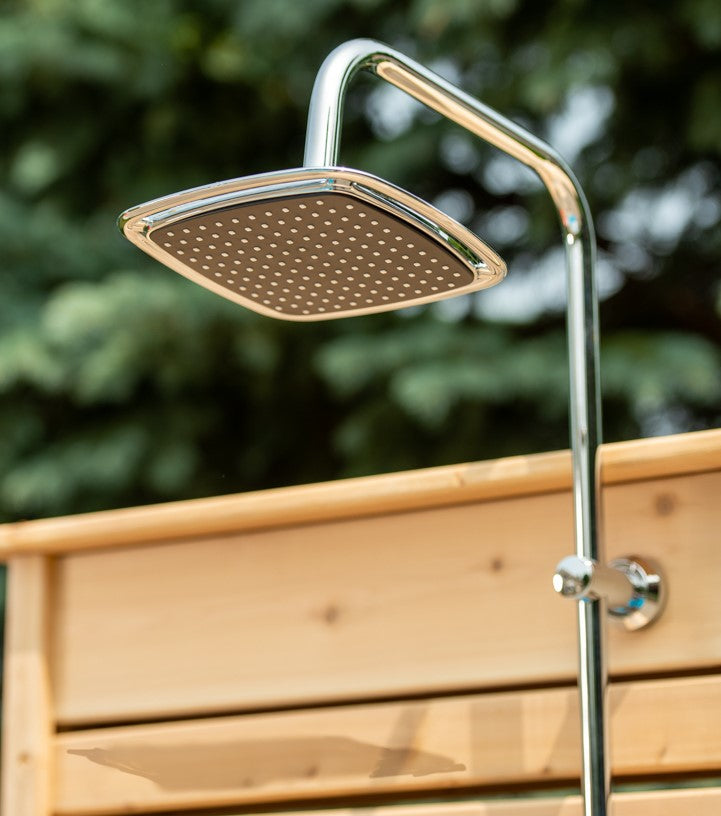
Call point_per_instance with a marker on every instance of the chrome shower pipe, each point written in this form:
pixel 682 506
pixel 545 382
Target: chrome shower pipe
pixel 322 146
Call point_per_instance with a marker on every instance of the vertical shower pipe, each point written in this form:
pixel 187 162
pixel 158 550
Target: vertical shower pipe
pixel 322 145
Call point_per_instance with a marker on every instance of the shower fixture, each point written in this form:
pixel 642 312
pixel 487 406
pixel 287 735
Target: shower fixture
pixel 324 241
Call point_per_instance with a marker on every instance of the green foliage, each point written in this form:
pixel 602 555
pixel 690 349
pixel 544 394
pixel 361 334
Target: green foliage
pixel 122 383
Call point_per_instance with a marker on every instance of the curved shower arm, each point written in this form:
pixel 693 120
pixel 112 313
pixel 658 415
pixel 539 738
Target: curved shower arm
pixel 342 64
pixel 322 145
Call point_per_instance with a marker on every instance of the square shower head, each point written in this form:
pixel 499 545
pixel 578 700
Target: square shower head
pixel 313 244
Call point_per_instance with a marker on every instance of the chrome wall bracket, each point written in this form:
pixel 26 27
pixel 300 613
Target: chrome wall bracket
pixel 633 587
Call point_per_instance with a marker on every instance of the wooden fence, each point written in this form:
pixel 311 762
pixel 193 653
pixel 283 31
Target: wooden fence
pixel 360 645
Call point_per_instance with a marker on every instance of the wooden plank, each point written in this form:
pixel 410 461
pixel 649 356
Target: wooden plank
pixel 675 521
pixel 694 802
pixel 658 727
pixel 27 717
pixel 481 481
pixel 445 599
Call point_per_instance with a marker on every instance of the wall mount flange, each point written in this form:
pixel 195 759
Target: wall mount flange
pixel 633 587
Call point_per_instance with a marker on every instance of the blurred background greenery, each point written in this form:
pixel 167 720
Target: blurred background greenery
pixel 122 383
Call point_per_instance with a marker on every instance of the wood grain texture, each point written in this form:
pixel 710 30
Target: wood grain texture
pixel 27 715
pixel 480 481
pixel 445 599
pixel 693 802
pixel 503 739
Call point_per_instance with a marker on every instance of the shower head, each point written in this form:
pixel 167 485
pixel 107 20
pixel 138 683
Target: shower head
pixel 313 244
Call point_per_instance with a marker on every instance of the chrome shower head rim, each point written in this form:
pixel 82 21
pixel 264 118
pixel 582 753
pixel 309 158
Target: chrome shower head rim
pixel 139 223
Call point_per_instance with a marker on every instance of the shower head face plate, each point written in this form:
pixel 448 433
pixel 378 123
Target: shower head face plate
pixel 313 244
